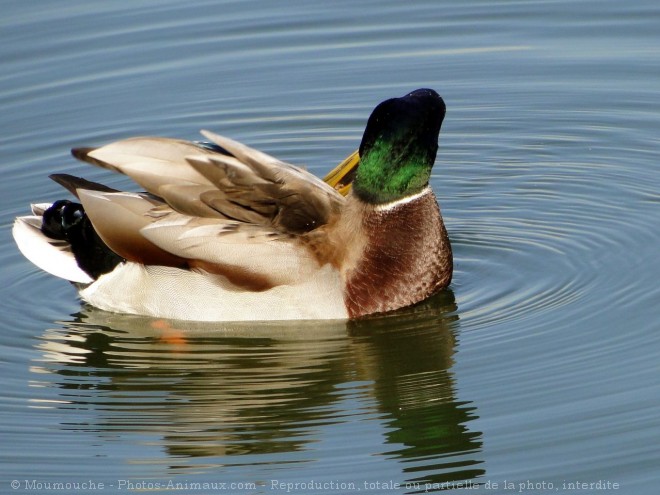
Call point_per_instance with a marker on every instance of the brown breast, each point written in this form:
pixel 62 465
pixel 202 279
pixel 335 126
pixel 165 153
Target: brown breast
pixel 406 257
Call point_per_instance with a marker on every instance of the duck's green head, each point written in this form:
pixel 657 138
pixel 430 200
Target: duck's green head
pixel 399 146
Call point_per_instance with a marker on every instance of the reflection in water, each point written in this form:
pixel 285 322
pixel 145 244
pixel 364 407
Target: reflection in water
pixel 415 389
pixel 207 393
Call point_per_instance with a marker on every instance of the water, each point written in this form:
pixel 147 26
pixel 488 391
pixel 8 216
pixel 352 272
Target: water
pixel 536 371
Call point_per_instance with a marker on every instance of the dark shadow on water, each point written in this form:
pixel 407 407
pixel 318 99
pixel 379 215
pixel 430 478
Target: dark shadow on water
pixel 212 395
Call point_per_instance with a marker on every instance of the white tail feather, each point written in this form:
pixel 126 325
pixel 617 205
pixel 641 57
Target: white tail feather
pixel 52 256
pixel 38 209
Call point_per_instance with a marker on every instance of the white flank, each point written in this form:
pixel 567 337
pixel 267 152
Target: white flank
pixel 52 256
pixel 166 292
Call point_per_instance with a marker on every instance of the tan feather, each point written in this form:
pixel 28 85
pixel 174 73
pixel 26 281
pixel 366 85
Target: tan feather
pixel 186 198
pixel 150 161
pixel 118 218
pixel 242 152
pixel 267 166
pixel 250 186
pixel 225 246
pixel 269 191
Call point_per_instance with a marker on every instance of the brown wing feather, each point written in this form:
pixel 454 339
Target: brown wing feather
pixel 240 215
pixel 271 192
pixel 248 185
pixel 186 198
pixel 150 161
pixel 118 219
pixel 72 183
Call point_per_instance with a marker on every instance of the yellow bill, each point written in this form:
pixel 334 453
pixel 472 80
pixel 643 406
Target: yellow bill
pixel 342 175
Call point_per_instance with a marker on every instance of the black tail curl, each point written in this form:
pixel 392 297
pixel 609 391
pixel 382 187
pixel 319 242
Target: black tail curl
pixel 67 221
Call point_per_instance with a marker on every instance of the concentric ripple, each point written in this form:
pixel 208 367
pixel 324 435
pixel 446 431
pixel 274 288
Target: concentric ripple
pixel 540 362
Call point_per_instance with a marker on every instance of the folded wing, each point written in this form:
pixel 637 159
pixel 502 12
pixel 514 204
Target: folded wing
pixel 244 184
pixel 241 214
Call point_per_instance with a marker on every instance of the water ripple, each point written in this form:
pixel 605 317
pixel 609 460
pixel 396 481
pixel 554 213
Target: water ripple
pixel 547 177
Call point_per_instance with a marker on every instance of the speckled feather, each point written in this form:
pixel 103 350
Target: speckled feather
pixel 408 264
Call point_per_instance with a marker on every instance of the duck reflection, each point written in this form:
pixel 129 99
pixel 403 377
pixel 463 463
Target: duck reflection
pixel 205 392
pixel 415 390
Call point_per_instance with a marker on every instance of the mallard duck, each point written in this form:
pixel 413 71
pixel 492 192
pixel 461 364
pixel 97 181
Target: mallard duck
pixel 225 232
